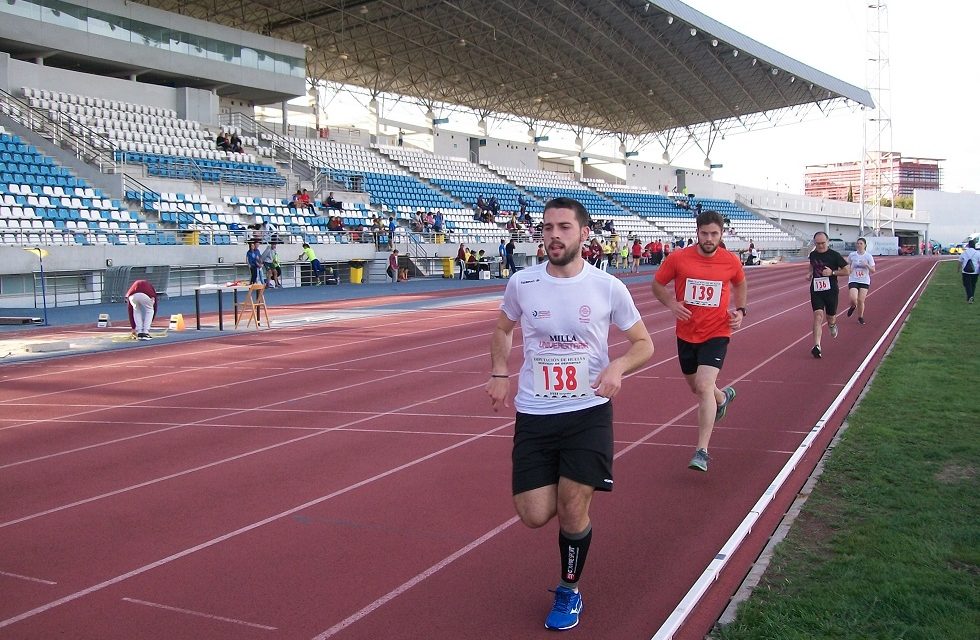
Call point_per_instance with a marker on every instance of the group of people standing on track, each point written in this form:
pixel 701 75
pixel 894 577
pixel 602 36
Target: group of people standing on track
pixel 563 435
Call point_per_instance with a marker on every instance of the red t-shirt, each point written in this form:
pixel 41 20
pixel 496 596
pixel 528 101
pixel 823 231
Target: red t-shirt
pixel 703 284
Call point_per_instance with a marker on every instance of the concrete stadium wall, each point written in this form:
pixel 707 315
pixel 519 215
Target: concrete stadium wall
pixel 509 153
pixel 51 36
pixel 21 74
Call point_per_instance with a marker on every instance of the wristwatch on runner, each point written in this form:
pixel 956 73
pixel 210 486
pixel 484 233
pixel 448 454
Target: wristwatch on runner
pixel 743 310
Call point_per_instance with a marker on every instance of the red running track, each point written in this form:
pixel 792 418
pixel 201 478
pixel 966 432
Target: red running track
pixel 349 480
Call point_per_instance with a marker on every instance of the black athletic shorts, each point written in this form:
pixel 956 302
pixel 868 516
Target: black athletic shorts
pixel 577 445
pixel 826 300
pixel 711 352
pixel 857 285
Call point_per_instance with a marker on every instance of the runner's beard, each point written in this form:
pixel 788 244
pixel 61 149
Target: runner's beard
pixel 566 257
pixel 706 250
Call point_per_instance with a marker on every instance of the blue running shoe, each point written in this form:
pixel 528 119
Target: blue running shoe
pixel 700 461
pixel 564 615
pixel 723 407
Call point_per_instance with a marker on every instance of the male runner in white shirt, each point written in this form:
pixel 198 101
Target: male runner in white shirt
pixel 563 438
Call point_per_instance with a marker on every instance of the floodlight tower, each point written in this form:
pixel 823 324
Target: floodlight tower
pixel 879 163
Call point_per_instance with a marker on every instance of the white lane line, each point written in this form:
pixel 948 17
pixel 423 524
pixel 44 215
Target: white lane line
pixel 693 597
pixel 412 330
pixel 22 577
pixel 232 412
pixel 391 595
pixel 91 446
pixel 177 474
pixel 245 529
pixel 200 614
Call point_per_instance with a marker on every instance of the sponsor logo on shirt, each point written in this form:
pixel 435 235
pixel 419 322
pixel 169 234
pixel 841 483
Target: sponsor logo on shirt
pixel 541 313
pixel 562 341
pixel 584 313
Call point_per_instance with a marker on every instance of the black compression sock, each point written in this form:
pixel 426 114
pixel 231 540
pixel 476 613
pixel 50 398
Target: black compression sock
pixel 574 548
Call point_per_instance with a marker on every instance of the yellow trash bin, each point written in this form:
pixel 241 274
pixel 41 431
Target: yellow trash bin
pixel 192 237
pixel 356 274
pixel 447 268
pixel 440 238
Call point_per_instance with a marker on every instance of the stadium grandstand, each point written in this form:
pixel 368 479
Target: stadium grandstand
pixel 167 133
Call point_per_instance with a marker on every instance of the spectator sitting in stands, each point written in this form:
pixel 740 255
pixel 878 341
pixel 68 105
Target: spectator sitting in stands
pixel 481 204
pixel 335 224
pixel 494 206
pixel 522 203
pixel 429 221
pixel 438 222
pixel 306 201
pixel 222 142
pixel 331 203
pixel 294 202
pixel 609 227
pixel 235 144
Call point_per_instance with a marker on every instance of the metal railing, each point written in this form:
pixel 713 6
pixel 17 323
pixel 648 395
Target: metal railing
pixel 299 162
pixel 67 132
pixel 81 287
pixel 87 144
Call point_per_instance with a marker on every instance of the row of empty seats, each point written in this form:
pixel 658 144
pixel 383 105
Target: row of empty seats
pixel 462 179
pixel 206 170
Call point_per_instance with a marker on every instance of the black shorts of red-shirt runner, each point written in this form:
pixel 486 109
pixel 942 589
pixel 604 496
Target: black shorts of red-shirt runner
pixel 711 352
pixel 826 300
pixel 577 445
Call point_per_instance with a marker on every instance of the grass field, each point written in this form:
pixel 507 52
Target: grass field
pixel 888 545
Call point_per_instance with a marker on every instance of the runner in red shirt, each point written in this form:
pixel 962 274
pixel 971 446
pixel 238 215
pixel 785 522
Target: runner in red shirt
pixel 705 278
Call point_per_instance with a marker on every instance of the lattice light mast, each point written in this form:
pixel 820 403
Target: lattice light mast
pixel 879 163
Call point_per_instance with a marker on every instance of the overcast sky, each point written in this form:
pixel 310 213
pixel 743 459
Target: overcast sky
pixel 934 87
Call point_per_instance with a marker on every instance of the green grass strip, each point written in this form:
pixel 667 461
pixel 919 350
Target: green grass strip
pixel 888 544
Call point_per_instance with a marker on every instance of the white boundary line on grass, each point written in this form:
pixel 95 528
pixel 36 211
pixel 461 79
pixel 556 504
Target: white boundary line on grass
pixel 693 597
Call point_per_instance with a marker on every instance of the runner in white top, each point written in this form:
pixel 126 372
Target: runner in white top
pixel 563 431
pixel 565 322
pixel 859 281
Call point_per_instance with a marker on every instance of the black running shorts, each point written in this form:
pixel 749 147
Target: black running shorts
pixel 711 352
pixel 826 300
pixel 577 445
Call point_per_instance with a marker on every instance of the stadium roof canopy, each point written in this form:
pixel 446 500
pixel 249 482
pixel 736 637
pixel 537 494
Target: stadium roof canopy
pixel 634 67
